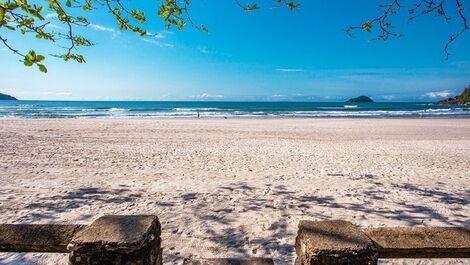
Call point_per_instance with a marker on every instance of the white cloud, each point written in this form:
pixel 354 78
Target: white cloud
pixel 51 15
pixel 388 97
pixel 156 36
pixel 8 90
pixel 53 26
pixel 104 29
pixel 158 43
pixel 67 94
pixel 203 49
pixel 290 70
pixel 208 51
pixel 101 28
pixel 208 96
pixel 438 94
pixel 205 95
pixel 59 94
pixel 160 35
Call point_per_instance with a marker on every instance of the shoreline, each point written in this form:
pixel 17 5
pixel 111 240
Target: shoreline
pixel 229 110
pixel 455 117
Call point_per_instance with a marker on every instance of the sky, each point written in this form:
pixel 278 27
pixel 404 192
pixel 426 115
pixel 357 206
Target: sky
pixel 272 54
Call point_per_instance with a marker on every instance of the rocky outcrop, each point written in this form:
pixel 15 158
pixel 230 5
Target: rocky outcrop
pixel 7 97
pixel 361 99
pixel 462 99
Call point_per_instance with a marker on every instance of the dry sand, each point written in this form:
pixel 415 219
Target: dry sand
pixel 234 187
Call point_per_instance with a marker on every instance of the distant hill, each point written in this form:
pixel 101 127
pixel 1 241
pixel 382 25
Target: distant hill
pixel 361 99
pixel 462 99
pixel 7 97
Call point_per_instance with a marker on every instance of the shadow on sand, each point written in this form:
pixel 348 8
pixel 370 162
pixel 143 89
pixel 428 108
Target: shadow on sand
pixel 217 214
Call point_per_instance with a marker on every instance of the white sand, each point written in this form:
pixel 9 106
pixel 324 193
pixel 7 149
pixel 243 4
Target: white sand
pixel 234 187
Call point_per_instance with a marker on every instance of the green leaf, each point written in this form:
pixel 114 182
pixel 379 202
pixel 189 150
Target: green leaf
pixel 40 58
pixel 9 27
pixel 42 68
pixel 367 26
pixel 293 5
pixel 88 5
pixel 30 56
pixel 2 14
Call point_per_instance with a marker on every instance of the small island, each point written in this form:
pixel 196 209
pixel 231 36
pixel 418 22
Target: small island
pixel 7 97
pixel 462 99
pixel 361 99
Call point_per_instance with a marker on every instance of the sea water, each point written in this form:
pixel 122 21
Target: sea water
pixel 206 109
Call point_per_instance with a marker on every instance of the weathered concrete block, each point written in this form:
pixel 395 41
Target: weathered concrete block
pixel 36 237
pixel 118 240
pixel 229 261
pixel 421 242
pixel 333 242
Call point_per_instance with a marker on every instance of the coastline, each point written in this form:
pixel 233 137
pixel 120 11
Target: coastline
pixel 227 110
pixel 235 187
pixel 239 118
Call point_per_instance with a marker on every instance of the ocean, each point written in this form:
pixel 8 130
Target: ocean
pixel 208 109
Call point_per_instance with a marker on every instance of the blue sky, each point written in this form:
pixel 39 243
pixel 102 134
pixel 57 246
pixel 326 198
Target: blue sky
pixel 271 54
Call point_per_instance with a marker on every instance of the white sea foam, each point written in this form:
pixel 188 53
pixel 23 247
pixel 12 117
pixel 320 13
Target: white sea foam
pixel 118 110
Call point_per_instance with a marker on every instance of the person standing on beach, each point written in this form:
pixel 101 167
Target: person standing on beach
pixel 198 115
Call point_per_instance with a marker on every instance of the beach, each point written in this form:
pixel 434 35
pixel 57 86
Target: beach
pixel 234 187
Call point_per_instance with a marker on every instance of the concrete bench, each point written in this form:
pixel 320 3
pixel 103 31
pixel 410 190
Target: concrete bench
pixel 340 242
pixel 421 242
pixel 117 239
pixel 111 239
pixel 333 242
pixel 135 240
pixel 36 237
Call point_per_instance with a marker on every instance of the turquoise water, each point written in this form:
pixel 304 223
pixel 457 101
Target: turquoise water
pixel 160 109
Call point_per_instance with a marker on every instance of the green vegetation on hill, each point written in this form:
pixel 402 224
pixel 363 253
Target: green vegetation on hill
pixel 465 96
pixel 361 99
pixel 6 97
pixel 462 99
